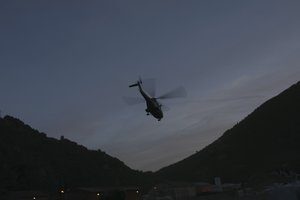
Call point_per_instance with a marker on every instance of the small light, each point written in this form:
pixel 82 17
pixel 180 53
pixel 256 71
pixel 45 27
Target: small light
pixel 33 198
pixel 98 194
pixel 62 191
pixel 137 191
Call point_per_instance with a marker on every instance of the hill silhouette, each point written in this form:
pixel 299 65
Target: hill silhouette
pixel 31 160
pixel 266 142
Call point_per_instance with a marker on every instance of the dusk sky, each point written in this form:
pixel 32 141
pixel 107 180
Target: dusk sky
pixel 65 67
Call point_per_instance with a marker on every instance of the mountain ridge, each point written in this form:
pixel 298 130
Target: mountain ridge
pixel 30 159
pixel 265 140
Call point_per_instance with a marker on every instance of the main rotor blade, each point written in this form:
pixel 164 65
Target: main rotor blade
pixel 133 100
pixel 149 85
pixel 176 93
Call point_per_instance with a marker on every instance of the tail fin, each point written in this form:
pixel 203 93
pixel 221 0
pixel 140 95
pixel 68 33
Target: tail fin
pixel 134 85
pixel 139 82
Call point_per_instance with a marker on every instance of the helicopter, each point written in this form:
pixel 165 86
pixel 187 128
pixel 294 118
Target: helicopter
pixel 154 107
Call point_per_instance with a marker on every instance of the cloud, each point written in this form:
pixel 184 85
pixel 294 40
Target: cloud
pixel 230 62
pixel 143 143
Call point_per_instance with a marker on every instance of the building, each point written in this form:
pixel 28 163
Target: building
pixel 103 193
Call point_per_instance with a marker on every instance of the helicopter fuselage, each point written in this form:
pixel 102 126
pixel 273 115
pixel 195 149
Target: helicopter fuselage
pixel 153 106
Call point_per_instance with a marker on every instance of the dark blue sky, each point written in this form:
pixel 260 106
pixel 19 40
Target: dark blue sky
pixel 66 65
